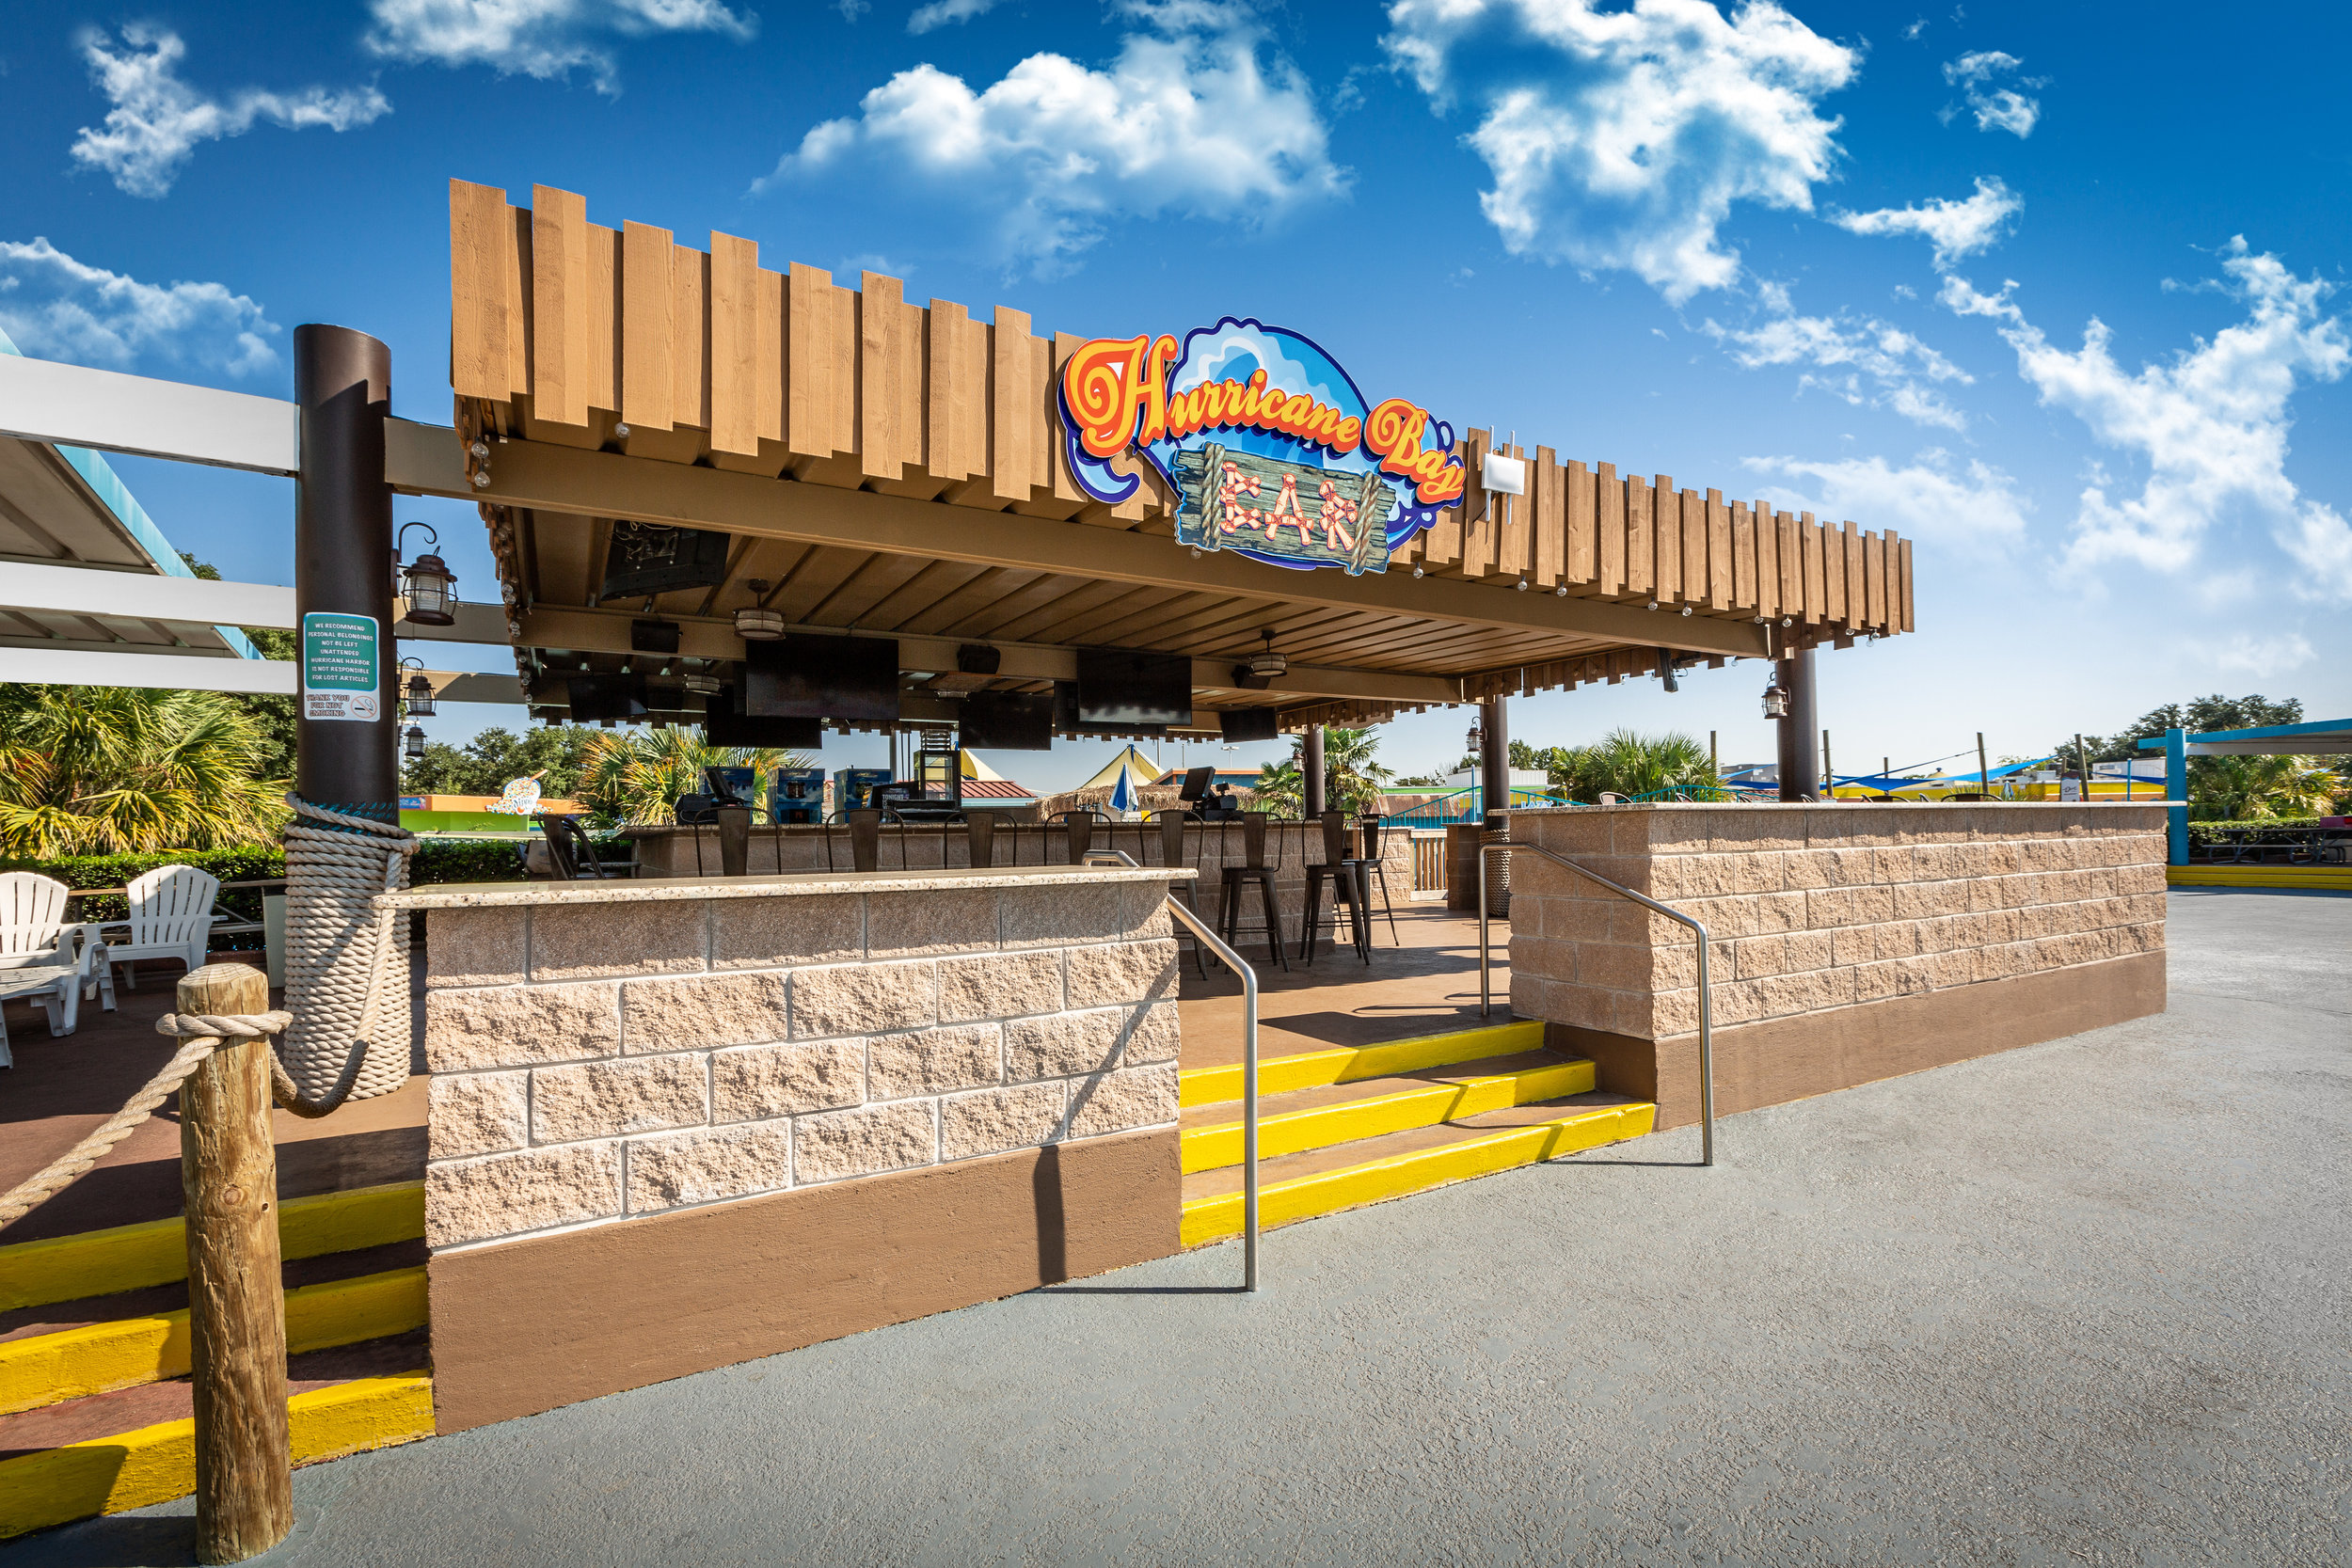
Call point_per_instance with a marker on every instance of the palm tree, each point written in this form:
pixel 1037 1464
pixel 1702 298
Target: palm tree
pixel 1627 763
pixel 2234 789
pixel 116 769
pixel 1280 789
pixel 637 775
pixel 1352 782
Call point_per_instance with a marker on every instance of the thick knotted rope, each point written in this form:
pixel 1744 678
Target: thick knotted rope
pixel 346 961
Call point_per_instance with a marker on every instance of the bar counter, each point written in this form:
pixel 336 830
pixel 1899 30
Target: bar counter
pixel 679 1123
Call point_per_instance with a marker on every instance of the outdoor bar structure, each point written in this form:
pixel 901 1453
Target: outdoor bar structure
pixel 804 1077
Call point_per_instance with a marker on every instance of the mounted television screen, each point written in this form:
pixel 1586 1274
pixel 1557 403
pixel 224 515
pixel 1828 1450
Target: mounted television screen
pixel 1066 719
pixel 598 698
pixel 1247 724
pixel 1119 685
pixel 853 678
pixel 1007 720
pixel 724 726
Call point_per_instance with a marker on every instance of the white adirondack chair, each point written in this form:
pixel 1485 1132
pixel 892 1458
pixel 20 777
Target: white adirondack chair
pixel 35 934
pixel 171 918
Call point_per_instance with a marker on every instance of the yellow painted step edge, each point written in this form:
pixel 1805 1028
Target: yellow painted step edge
pixel 1209 1147
pixel 156 1252
pixel 1315 1069
pixel 96 1357
pixel 1209 1218
pixel 154 1464
pixel 2255 876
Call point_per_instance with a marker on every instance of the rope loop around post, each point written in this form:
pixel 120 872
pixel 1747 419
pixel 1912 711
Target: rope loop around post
pixel 346 961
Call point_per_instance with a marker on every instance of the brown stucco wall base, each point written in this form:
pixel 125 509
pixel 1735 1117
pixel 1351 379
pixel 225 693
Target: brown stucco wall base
pixel 1791 1058
pixel 527 1325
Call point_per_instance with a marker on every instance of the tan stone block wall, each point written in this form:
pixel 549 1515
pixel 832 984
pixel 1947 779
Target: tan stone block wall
pixel 602 1061
pixel 1813 907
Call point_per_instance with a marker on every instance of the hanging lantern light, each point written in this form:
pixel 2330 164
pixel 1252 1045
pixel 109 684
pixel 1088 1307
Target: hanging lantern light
pixel 1776 702
pixel 412 744
pixel 756 622
pixel 416 695
pixel 702 684
pixel 431 587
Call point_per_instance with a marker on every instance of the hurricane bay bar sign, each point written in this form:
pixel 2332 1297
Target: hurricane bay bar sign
pixel 1271 450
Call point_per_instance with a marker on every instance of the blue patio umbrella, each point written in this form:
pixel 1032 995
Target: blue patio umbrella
pixel 1123 796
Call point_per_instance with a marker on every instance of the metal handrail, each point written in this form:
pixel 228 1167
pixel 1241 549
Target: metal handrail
pixel 1706 1043
pixel 1177 908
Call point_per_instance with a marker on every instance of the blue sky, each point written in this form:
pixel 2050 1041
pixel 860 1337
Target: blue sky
pixel 1844 256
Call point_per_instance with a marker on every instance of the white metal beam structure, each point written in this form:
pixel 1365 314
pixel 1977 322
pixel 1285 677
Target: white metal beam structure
pixel 77 590
pixel 178 672
pixel 42 400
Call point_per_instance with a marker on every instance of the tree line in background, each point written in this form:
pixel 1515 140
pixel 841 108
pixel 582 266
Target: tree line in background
pixel 121 769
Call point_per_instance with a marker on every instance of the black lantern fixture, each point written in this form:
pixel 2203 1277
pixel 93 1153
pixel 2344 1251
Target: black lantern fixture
pixel 1775 701
pixel 429 585
pixel 417 694
pixel 1476 734
pixel 412 744
pixel 756 622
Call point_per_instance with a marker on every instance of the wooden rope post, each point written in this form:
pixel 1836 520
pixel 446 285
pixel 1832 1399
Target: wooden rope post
pixel 237 1302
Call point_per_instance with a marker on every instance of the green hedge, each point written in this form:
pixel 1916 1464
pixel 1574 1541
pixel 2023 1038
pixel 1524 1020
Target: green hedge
pixel 466 860
pixel 2272 830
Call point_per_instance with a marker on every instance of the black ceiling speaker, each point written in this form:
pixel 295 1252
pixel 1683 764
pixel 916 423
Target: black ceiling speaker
pixel 978 658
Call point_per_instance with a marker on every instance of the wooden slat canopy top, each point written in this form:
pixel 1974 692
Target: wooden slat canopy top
pixel 897 469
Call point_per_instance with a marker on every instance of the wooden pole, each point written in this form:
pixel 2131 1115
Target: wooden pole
pixel 2082 761
pixel 1984 770
pixel 236 1304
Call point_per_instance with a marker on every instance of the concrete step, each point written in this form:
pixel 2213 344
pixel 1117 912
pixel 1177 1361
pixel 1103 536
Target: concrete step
pixel 156 1252
pixel 1348 1064
pixel 2332 878
pixel 106 1452
pixel 1371 1170
pixel 1325 1115
pixel 99 1357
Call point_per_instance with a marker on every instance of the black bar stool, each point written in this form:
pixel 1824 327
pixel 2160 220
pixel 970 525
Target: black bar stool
pixel 980 837
pixel 865 839
pixel 1254 871
pixel 1346 875
pixel 1371 864
pixel 1171 826
pixel 1077 828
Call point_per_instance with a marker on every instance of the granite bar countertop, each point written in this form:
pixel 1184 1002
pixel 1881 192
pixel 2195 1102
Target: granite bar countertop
pixel 478 896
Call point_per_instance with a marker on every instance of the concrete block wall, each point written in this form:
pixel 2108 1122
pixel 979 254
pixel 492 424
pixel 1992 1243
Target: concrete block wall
pixel 1816 908
pixel 598 1062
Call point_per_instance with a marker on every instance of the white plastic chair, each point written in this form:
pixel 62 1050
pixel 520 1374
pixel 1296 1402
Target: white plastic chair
pixel 35 934
pixel 171 918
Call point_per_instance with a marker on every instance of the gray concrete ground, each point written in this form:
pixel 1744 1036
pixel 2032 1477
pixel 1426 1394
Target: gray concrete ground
pixel 2079 1303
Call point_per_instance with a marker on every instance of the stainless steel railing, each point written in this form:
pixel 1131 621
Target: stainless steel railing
pixel 1706 1043
pixel 1181 910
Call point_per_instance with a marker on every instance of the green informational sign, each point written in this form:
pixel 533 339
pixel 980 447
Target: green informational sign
pixel 340 662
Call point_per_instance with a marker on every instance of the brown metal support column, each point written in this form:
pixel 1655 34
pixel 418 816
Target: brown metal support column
pixel 237 1306
pixel 1800 763
pixel 1311 773
pixel 1494 728
pixel 343 557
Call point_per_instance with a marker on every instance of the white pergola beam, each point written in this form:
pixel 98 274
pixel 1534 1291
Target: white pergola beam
pixel 79 591
pixel 73 406
pixel 171 672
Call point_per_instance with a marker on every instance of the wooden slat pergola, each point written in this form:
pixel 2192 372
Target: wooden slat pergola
pixel 896 469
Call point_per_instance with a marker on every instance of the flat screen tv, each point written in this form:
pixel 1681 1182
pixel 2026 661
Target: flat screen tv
pixel 1247 724
pixel 849 678
pixel 1121 686
pixel 1007 720
pixel 1066 719
pixel 724 726
pixel 597 698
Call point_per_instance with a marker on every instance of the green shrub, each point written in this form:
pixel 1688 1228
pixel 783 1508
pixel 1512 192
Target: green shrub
pixel 230 865
pixel 2270 829
pixel 466 860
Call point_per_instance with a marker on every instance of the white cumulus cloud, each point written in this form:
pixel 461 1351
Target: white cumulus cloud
pixel 1956 228
pixel 1863 360
pixel 2210 426
pixel 158 119
pixel 2260 657
pixel 1965 509
pixel 53 306
pixel 1996 107
pixel 544 39
pixel 1187 121
pixel 1620 139
pixel 941 13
